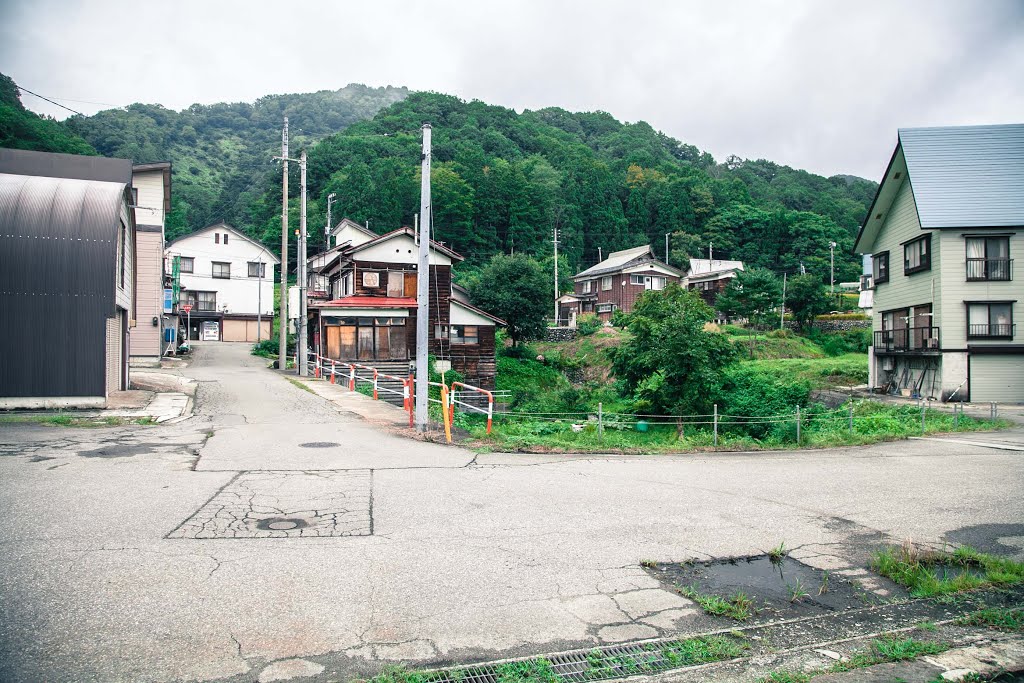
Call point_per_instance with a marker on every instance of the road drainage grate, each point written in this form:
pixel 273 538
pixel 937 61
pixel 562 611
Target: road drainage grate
pixel 319 444
pixel 600 663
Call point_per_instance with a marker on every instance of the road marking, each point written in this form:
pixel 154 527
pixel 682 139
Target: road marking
pixel 982 444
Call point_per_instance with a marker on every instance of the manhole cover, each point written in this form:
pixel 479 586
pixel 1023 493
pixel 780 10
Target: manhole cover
pixel 281 524
pixel 319 444
pixel 269 504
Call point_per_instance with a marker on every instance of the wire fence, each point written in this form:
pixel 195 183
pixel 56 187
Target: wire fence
pixel 469 399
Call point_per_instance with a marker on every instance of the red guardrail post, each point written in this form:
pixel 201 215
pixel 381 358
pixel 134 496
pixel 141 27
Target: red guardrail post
pixel 333 364
pixel 351 377
pixel 375 384
pixel 412 398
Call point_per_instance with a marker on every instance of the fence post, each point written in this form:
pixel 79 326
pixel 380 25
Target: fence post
pixel 716 425
pixel 351 377
pixel 375 384
pixel 798 425
pixel 490 411
pixel 922 418
pixel 851 414
pixel 333 364
pixel 600 421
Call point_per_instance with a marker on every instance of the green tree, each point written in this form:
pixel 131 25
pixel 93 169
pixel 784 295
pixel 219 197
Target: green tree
pixel 806 298
pixel 672 364
pixel 514 288
pixel 753 294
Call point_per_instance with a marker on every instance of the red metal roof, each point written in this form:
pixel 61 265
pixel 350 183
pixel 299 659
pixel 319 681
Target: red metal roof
pixel 371 302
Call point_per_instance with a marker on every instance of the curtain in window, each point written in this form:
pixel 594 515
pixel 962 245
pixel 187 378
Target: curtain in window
pixel 975 248
pixel 977 318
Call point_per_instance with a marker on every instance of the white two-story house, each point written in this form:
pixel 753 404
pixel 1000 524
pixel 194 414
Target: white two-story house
pixel 943 232
pixel 228 279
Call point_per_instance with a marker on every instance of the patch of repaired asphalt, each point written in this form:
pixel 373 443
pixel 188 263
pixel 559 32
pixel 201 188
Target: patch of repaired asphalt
pixel 986 537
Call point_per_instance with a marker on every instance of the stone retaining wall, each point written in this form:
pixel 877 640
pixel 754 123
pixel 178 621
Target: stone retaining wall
pixel 560 334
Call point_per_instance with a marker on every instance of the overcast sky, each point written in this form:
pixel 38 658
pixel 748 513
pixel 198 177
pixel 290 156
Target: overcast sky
pixel 818 85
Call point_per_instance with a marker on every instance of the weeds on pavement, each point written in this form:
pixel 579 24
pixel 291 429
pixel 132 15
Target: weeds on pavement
pixel 929 574
pixel 738 607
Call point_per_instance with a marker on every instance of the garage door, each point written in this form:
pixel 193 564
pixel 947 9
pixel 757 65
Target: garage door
pixel 997 378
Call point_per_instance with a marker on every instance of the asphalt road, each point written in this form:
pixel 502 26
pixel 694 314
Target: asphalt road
pixel 272 527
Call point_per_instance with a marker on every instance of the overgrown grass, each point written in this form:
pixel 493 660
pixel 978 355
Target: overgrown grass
pixel 600 665
pixel 927 573
pixel 786 676
pixel 999 618
pixel 303 386
pixel 884 650
pixel 873 421
pixel 847 370
pixel 63 420
pixel 738 607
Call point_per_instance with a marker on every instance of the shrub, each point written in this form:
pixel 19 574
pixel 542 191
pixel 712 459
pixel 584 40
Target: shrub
pixel 839 343
pixel 587 324
pixel 780 334
pixel 752 394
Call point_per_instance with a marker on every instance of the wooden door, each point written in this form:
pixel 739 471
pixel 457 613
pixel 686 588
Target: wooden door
pixel 410 284
pixel 334 342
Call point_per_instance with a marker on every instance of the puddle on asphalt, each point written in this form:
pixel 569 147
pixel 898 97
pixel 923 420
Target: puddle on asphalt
pixel 785 588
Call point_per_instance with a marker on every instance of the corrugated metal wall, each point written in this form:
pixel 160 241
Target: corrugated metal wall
pixel 58 242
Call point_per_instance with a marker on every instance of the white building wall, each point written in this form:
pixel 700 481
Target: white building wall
pixel 239 294
pixel 149 186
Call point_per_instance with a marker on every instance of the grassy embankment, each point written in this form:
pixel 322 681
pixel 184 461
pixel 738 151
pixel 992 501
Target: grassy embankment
pixel 547 412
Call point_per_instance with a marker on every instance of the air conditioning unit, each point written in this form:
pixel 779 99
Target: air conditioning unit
pixel 867 282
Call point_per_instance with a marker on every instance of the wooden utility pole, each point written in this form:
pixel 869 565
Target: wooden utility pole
pixel 423 290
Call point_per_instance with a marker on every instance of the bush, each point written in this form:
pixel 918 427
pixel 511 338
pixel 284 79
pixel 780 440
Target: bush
pixel 751 393
pixel 267 348
pixel 587 324
pixel 780 334
pixel 840 343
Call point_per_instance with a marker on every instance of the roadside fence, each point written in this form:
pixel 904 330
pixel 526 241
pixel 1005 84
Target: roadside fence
pixel 462 397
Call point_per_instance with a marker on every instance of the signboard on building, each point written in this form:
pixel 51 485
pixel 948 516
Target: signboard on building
pixel 168 300
pixel 211 330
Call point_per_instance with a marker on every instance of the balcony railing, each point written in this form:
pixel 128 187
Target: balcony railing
pixel 989 269
pixel 908 340
pixel 995 331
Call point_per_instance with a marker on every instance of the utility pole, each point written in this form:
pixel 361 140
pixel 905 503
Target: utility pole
pixel 782 314
pixel 423 289
pixel 327 230
pixel 556 274
pixel 259 301
pixel 599 257
pixel 282 349
pixel 832 268
pixel 711 254
pixel 666 247
pixel 301 357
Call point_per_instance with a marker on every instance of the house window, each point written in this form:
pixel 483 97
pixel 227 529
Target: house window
pixel 990 320
pixel 216 238
pixel 606 283
pixel 658 282
pixel 371 279
pixel 587 286
pixel 201 301
pixel 396 283
pixel 917 255
pixel 464 334
pixel 605 308
pixel 257 269
pixel 636 279
pixel 187 264
pixel 225 238
pixel 988 259
pixel 221 270
pixel 880 263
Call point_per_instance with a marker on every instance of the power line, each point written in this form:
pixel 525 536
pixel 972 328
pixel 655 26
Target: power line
pixel 50 101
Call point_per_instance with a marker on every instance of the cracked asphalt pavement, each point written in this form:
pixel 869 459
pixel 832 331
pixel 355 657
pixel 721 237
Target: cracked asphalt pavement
pixel 240 544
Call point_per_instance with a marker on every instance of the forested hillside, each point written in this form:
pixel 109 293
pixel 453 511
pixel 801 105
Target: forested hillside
pixel 22 129
pixel 502 181
pixel 221 153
